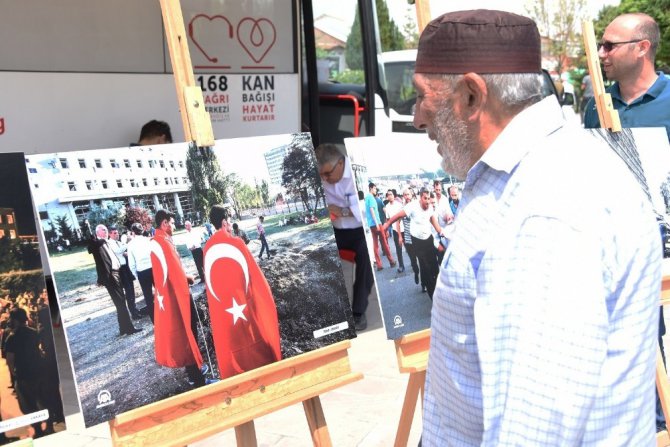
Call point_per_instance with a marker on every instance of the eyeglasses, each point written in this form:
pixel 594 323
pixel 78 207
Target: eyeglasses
pixel 609 46
pixel 327 174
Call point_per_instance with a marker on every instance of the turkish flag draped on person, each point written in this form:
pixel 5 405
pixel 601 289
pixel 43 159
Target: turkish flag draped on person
pixel 175 344
pixel 244 320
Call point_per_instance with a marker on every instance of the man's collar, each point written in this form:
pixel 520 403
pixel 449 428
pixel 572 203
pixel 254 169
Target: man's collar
pixel 537 120
pixel 654 91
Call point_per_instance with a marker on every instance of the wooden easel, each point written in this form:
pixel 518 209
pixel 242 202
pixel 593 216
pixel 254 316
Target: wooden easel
pixel 412 353
pixel 236 401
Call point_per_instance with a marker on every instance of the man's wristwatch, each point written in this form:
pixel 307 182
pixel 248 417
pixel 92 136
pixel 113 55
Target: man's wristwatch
pixel 345 212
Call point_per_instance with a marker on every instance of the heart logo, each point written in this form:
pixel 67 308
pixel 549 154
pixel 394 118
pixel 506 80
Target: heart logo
pixel 207 34
pixel 256 37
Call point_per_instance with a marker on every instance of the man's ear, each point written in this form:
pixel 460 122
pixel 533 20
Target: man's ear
pixel 645 46
pixel 474 96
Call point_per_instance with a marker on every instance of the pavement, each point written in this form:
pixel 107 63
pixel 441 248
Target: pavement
pixel 364 413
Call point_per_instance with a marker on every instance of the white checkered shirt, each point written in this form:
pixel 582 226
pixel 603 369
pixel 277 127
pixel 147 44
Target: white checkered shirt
pixel 545 315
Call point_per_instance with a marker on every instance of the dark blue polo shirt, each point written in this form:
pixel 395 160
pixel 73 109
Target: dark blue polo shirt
pixel 650 110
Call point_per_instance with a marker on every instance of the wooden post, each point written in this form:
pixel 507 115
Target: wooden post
pixel 422 14
pixel 196 121
pixel 237 401
pixel 412 354
pixel 608 115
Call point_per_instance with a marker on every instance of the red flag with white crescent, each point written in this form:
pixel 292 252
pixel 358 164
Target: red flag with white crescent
pixel 175 344
pixel 245 327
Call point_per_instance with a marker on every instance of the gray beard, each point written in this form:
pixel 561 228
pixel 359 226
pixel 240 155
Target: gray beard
pixel 452 136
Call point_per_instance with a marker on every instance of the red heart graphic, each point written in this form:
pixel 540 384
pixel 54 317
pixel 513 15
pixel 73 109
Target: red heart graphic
pixel 200 44
pixel 256 37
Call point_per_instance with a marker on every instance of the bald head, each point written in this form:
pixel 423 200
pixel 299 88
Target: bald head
pixel 638 26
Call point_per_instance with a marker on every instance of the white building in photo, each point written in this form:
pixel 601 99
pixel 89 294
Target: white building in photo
pixel 70 183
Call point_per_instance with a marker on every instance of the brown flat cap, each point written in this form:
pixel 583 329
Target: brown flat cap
pixel 480 41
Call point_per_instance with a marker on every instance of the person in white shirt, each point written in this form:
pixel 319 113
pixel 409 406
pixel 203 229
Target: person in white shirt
pixel 139 262
pixel 194 244
pixel 345 214
pixel 127 278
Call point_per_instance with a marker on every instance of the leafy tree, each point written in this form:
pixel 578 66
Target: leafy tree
pixel 135 214
pixel 50 232
pixel 10 254
pixel 113 215
pixel 558 20
pixel 64 228
pixel 208 185
pixel 658 9
pixel 389 34
pixel 300 174
pixel 265 193
pixel 410 30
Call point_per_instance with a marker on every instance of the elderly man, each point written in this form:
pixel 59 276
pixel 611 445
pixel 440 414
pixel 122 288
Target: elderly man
pixel 640 94
pixel 545 312
pixel 342 198
pixel 107 266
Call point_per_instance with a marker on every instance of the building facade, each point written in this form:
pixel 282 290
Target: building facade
pixel 72 183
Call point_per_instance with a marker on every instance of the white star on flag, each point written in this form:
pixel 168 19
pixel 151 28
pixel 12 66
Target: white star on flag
pixel 237 311
pixel 160 300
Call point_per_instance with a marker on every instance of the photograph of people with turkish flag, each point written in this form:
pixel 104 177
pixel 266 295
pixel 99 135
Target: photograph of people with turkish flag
pixel 186 266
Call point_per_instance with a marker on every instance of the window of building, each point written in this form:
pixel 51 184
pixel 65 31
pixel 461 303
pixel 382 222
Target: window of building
pixel 172 164
pixel 145 182
pixel 181 164
pixel 2 233
pixel 176 180
pixel 32 170
pixel 12 234
pixel 132 183
pixel 161 163
pixel 82 163
pixel 119 183
pixel 139 163
pixel 71 186
pixel 44 215
pixel 185 180
pixel 36 185
pixel 98 163
pixel 89 185
pixel 10 219
pixel 104 184
pixel 167 181
pixel 113 163
pixel 156 181
pixel 63 163
pixel 1 218
pixel 126 163
pixel 152 163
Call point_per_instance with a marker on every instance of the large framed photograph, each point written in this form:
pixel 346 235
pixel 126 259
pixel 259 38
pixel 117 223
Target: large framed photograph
pixel 29 384
pixel 229 258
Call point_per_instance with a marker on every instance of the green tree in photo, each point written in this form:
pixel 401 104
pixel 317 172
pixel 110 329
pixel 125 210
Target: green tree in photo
pixel 10 255
pixel 300 174
pixel 64 228
pixel 113 214
pixel 208 185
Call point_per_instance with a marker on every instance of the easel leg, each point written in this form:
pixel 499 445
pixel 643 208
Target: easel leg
pixel 414 386
pixel 317 422
pixel 245 435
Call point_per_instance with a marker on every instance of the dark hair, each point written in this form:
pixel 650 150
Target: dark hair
pixel 261 218
pixel 137 228
pixel 217 214
pixel 437 182
pixel 423 191
pixel 18 314
pixel 162 215
pixel 371 185
pixel 235 226
pixel 155 128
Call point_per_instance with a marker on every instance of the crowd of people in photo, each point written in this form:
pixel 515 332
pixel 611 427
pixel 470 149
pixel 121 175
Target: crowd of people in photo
pixel 418 221
pixel 121 257
pixel 26 344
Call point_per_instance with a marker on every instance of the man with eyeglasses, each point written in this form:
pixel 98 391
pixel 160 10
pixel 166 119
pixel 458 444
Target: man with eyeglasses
pixel 342 198
pixel 640 94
